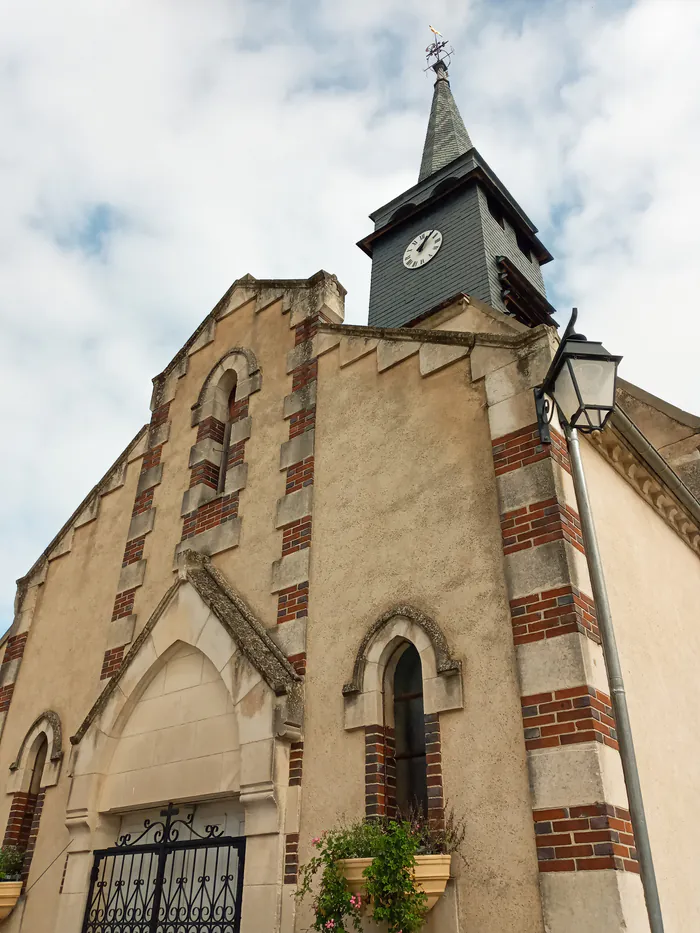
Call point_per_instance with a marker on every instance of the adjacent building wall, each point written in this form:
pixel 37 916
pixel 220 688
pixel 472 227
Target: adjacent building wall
pixel 653 580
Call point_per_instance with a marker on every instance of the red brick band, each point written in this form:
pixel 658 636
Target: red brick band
pixel 567 717
pixel 540 523
pixel 291 858
pixel 433 753
pixel 296 757
pixel 520 448
pixel 112 661
pixel 552 613
pixel 588 838
pixel 14 648
pixel 293 602
pixel 380 771
pixel 5 697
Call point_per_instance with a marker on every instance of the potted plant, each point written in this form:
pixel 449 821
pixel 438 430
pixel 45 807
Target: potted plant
pixel 394 869
pixel 11 859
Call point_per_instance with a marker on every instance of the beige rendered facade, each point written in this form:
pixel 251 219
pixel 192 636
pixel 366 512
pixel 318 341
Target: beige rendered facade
pixel 217 636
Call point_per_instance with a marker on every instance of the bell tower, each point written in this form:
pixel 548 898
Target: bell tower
pixel 458 230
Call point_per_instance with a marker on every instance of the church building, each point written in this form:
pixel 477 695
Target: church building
pixel 205 664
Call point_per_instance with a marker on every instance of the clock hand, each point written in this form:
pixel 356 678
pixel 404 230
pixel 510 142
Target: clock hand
pixel 420 248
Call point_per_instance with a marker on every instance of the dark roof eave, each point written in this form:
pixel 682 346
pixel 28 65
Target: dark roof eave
pixel 480 173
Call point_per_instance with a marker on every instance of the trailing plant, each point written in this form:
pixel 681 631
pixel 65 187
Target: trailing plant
pixel 392 894
pixel 11 860
pixel 391 887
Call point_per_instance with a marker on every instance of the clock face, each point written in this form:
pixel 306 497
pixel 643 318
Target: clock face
pixel 422 249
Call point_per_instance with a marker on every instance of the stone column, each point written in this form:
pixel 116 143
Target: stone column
pixel 589 874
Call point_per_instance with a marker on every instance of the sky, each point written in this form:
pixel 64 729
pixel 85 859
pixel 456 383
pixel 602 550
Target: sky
pixel 152 151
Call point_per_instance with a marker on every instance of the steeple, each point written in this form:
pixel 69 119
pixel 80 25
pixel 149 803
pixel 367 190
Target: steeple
pixel 457 231
pixel 447 136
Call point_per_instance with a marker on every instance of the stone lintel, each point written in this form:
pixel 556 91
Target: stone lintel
pixel 302 353
pixel 149 478
pixel 290 636
pixel 214 540
pixel 300 400
pixel 240 430
pixel 141 524
pixel 297 449
pixel 236 478
pixel 131 576
pixel 120 632
pixel 559 663
pixel 545 567
pixel 207 449
pixel 159 435
pixel 295 505
pixel 196 496
pixel 290 570
pixel 580 774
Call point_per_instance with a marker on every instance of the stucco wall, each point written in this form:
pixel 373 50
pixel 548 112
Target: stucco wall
pixel 406 512
pixel 653 580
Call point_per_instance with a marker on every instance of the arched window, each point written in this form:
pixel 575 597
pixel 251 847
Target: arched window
pixel 25 811
pixel 227 436
pixel 409 735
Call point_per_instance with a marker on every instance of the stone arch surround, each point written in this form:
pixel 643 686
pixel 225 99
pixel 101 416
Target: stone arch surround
pixel 187 637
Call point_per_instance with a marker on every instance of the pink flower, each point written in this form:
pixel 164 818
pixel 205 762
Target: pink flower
pixel 330 925
pixel 356 901
pixel 315 841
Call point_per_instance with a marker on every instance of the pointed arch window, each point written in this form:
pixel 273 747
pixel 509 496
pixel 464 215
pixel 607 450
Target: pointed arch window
pixel 409 734
pixel 25 811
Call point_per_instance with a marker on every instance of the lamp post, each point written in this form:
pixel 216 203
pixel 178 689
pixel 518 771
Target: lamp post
pixel 581 382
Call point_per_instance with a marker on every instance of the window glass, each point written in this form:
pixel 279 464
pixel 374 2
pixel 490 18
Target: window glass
pixel 409 734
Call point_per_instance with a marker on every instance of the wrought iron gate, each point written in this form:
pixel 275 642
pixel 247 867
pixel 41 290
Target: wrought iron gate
pixel 170 884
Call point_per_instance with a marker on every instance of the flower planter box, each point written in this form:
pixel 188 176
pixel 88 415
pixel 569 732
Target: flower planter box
pixel 430 872
pixel 9 895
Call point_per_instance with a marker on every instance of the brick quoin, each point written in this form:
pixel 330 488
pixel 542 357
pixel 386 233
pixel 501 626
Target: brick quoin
pixel 299 475
pixel 291 858
pixel 160 415
pixel 380 771
pixel 112 661
pixel 143 502
pixel 552 613
pixel 133 551
pixel 33 833
pixel 210 515
pixel 296 756
pixel 587 838
pixel 14 648
pixel 520 448
pixel 298 662
pixel 151 458
pixel 567 717
pixel 5 697
pixel 293 602
pixel 205 472
pixel 540 523
pixel 433 752
pixel 123 605
pixel 211 428
pixel 19 822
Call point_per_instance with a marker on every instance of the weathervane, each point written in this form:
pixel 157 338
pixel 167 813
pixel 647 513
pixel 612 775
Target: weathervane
pixel 439 52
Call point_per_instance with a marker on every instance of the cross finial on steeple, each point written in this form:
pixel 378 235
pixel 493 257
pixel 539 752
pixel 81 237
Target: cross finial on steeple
pixel 447 137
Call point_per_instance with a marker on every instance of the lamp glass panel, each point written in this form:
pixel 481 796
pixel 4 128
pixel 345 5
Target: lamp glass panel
pixel 596 381
pixel 564 392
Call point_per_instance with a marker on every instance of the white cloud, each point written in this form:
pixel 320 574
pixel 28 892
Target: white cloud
pixel 218 139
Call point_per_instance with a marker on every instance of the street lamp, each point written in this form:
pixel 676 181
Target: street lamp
pixel 581 382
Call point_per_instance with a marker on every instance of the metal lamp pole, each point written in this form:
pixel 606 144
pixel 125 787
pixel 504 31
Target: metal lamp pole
pixel 617 687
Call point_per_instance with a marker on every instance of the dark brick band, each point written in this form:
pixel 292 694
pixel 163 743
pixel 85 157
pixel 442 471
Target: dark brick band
pixel 588 838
